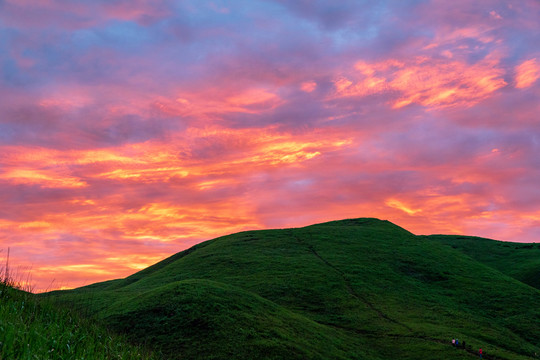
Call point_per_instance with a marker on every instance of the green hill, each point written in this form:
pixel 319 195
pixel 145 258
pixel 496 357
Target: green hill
pixel 351 289
pixel 518 260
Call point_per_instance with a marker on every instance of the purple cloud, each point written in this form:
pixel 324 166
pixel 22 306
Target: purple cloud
pixel 143 127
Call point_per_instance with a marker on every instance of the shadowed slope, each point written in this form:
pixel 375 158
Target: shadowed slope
pixel 196 311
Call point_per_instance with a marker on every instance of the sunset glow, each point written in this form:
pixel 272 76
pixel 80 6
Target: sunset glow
pixel 130 131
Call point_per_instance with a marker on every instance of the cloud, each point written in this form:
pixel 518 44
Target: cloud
pixel 527 73
pixel 133 129
pixel 428 81
pixel 81 14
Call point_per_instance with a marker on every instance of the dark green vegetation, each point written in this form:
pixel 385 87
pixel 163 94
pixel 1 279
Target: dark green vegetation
pixel 352 289
pixel 34 328
pixel 518 260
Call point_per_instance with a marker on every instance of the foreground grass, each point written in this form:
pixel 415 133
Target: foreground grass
pixel 34 328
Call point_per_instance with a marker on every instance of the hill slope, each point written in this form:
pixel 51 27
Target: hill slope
pixel 351 289
pixel 520 261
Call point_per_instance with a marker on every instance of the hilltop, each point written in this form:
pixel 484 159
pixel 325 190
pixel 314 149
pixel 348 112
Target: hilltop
pixel 350 289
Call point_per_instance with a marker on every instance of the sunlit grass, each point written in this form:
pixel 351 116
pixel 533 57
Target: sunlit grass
pixel 34 327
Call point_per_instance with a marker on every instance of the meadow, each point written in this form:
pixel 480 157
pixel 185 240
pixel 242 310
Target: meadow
pixel 33 327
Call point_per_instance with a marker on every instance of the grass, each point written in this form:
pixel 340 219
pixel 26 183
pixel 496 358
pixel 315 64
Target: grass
pixel 351 289
pixel 33 327
pixel 518 260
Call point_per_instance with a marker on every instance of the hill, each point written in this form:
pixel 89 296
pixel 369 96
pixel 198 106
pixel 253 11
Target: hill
pixel 518 260
pixel 350 289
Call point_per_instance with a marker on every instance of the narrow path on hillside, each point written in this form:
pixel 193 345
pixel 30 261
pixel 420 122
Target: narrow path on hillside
pixel 347 283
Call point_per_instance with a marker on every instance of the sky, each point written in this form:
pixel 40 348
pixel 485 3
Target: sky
pixel 131 130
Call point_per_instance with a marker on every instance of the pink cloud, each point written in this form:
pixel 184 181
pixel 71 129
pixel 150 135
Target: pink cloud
pixel 131 130
pixel 495 15
pixel 77 15
pixel 194 197
pixel 139 10
pixel 428 82
pixel 527 73
pixel 308 86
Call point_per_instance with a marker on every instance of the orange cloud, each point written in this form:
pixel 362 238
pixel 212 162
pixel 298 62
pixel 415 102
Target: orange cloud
pixel 527 73
pixel 244 101
pixel 201 196
pixel 401 206
pixel 35 225
pixel 428 82
pixel 45 178
pixel 154 162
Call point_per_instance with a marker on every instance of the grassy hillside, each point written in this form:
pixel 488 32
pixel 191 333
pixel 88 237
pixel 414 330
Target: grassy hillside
pixel 518 260
pixel 352 289
pixel 33 328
